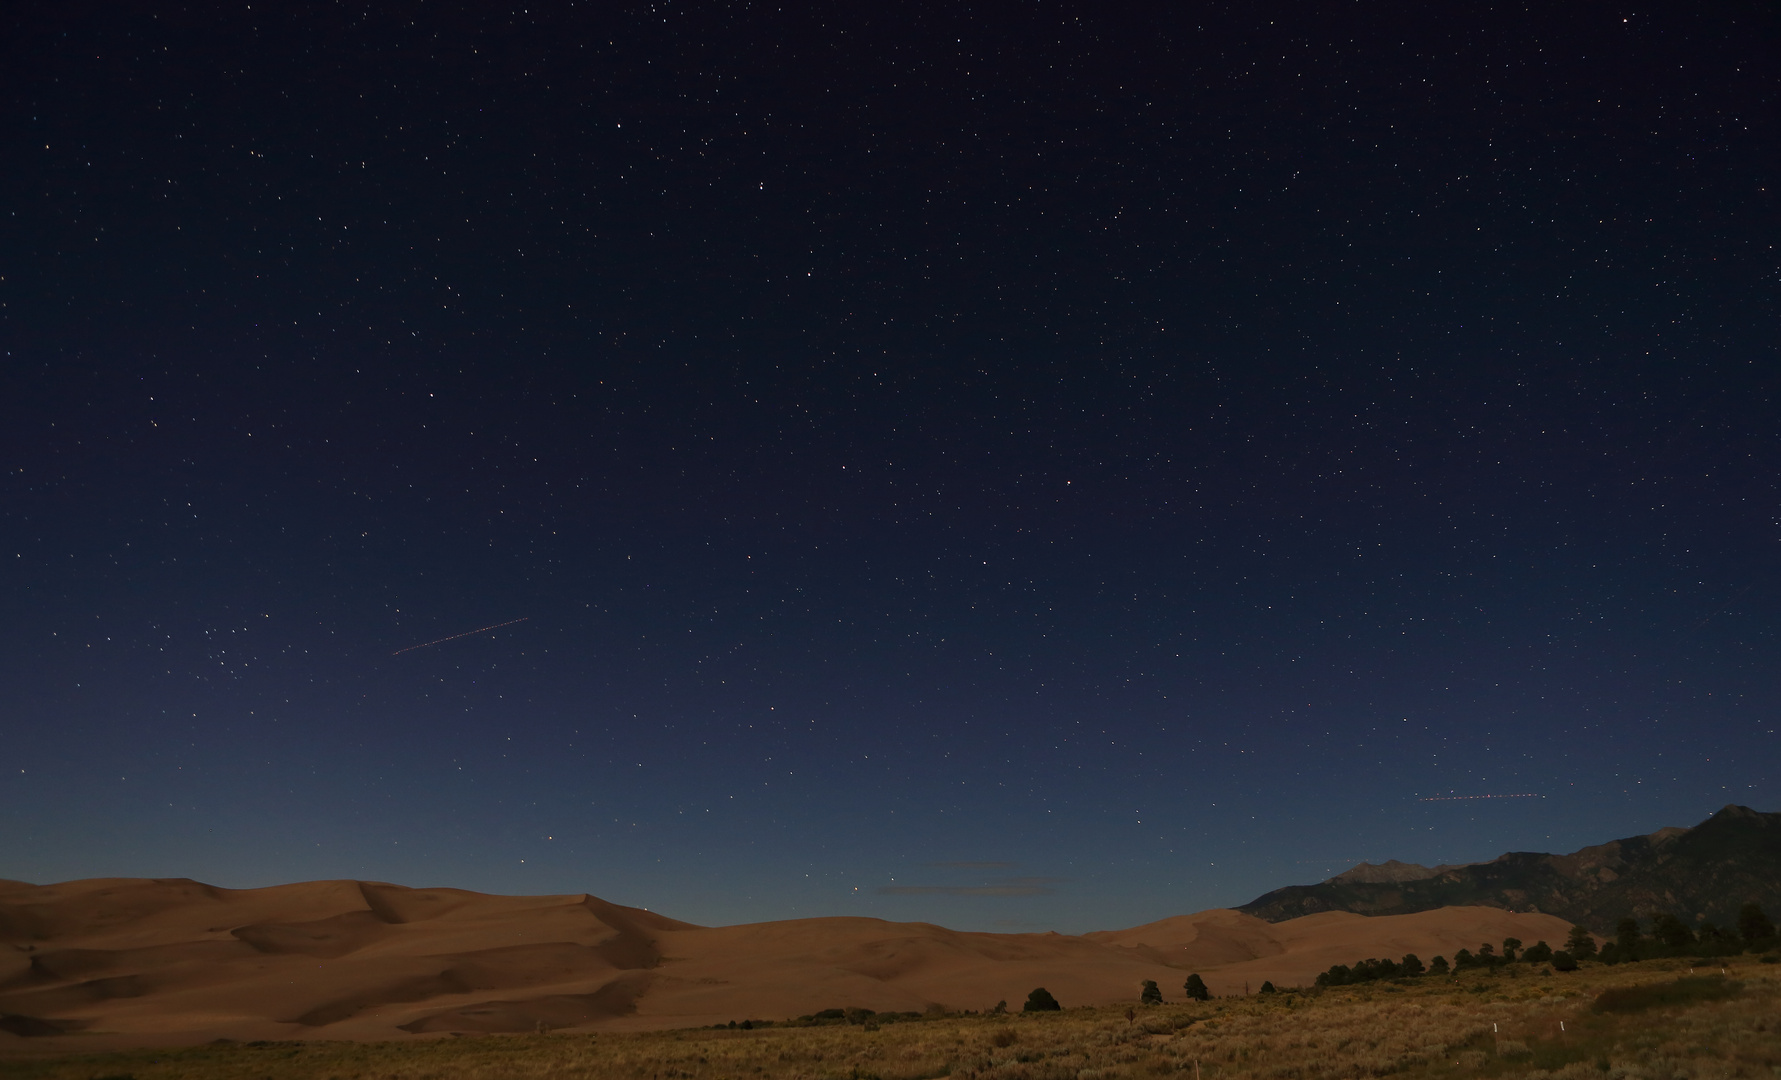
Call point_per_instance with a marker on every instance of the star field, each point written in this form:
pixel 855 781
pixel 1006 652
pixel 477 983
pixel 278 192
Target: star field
pixel 1020 467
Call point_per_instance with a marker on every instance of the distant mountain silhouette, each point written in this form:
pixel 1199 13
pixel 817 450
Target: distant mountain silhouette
pixel 1391 870
pixel 1701 873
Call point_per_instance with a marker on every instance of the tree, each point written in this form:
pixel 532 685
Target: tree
pixel 1040 1000
pixel 1626 936
pixel 1438 966
pixel 1412 965
pixel 1337 975
pixel 1463 960
pixel 1670 931
pixel 1196 988
pixel 1152 995
pixel 1537 953
pixel 1268 987
pixel 1564 961
pixel 1753 925
pixel 1580 943
pixel 1510 945
pixel 1487 955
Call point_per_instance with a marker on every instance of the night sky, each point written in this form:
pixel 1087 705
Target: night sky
pixel 1018 466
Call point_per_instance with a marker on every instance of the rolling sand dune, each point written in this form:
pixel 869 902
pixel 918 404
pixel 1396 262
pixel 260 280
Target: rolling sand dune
pixel 107 963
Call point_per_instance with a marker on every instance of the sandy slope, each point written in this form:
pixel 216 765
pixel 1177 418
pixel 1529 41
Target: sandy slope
pixel 118 962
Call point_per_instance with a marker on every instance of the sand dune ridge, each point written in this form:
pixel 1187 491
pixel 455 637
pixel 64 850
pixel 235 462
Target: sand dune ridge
pixel 120 961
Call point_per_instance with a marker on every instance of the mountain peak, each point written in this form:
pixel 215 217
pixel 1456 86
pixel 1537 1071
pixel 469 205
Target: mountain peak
pixel 1731 811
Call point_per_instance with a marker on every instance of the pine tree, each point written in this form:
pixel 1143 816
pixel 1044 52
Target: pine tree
pixel 1040 1000
pixel 1196 988
pixel 1580 943
pixel 1753 925
pixel 1671 931
pixel 1152 995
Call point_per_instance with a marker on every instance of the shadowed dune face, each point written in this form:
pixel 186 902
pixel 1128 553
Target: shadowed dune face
pixel 326 938
pixel 167 961
pixel 617 998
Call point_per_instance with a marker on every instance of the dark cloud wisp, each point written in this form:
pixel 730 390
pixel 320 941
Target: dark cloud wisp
pixel 1026 886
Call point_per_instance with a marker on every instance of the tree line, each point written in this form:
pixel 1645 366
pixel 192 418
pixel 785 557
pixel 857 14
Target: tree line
pixel 1668 936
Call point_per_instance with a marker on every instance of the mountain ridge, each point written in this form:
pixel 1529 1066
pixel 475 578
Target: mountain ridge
pixel 1701 873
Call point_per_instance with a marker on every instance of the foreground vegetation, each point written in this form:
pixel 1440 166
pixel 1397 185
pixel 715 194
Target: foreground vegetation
pixel 1651 1019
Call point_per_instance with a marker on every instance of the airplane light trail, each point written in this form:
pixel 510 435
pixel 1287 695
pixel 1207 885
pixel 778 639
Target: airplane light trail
pixel 1463 798
pixel 455 637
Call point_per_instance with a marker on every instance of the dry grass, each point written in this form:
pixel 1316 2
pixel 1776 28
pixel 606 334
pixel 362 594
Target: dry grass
pixel 1481 1025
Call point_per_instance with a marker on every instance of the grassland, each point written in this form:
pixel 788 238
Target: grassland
pixel 1658 1019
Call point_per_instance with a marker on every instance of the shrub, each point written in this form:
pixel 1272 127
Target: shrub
pixel 1564 961
pixel 1268 988
pixel 1040 1000
pixel 1538 953
pixel 1152 994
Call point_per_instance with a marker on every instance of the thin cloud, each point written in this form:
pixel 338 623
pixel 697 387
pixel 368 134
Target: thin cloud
pixel 964 890
pixel 1021 886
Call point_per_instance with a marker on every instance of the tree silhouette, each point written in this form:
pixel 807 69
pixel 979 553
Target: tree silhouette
pixel 1580 943
pixel 1152 994
pixel 1753 925
pixel 1671 931
pixel 1196 988
pixel 1041 1000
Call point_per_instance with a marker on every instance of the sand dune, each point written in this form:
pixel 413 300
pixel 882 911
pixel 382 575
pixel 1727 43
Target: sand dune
pixel 107 963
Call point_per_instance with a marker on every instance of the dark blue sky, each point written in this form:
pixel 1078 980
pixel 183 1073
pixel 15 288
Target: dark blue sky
pixel 1064 467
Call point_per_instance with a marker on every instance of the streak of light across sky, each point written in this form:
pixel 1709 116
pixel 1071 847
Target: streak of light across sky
pixel 454 637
